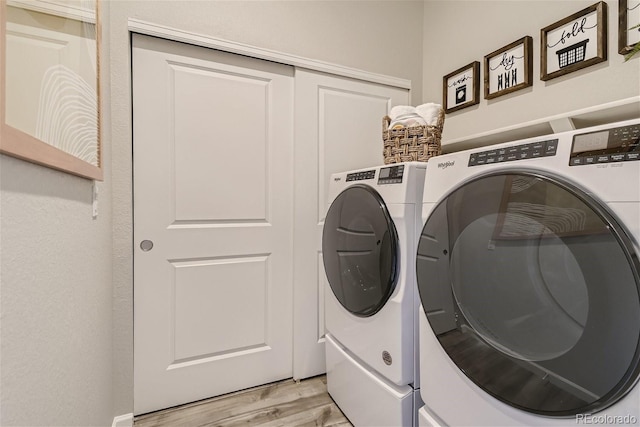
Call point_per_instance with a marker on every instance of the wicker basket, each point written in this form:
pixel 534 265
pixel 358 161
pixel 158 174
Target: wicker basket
pixel 416 143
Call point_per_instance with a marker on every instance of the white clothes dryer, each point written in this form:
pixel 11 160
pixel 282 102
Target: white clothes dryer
pixel 371 302
pixel 529 277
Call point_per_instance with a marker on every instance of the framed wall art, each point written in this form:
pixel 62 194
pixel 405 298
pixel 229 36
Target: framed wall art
pixel 49 81
pixel 461 88
pixel 628 25
pixel 508 69
pixel 575 42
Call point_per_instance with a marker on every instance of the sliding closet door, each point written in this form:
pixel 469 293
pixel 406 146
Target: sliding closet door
pixel 338 127
pixel 213 216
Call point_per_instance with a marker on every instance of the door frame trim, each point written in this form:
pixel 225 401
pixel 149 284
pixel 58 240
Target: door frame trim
pixel 174 34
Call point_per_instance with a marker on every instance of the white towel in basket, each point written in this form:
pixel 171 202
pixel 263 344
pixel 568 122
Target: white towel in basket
pixel 401 110
pixel 404 116
pixel 429 112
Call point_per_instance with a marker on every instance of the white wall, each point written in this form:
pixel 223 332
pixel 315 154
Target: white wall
pixel 459 32
pixel 383 37
pixel 56 299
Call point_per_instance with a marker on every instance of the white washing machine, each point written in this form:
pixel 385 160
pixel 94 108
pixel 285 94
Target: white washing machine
pixel 529 277
pixel 371 302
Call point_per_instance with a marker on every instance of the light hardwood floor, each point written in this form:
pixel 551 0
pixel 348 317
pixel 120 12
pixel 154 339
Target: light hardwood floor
pixel 285 403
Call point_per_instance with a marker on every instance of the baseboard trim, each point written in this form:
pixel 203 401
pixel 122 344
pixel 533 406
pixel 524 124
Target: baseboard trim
pixel 125 420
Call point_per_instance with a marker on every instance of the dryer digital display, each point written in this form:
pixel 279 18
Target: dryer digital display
pixel 590 141
pixel 612 145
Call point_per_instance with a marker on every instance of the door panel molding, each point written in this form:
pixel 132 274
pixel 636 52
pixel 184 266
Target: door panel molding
pixel 213 290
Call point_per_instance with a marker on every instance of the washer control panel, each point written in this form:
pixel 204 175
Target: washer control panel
pixel 619 144
pixel 360 176
pixel 530 150
pixel 391 175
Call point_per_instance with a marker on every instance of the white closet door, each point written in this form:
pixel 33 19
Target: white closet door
pixel 213 194
pixel 338 127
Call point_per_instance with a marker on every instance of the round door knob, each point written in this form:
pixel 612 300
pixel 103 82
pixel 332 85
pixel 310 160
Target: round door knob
pixel 146 245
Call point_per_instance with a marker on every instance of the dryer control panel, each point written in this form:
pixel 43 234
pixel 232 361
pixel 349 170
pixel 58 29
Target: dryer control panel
pixel 619 144
pixel 530 150
pixel 360 176
pixel 391 175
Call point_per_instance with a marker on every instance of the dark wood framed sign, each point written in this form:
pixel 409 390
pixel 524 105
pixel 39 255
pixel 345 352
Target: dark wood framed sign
pixel 461 88
pixel 628 21
pixel 575 42
pixel 508 69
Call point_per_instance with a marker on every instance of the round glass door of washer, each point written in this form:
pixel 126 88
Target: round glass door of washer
pixel 532 289
pixel 360 250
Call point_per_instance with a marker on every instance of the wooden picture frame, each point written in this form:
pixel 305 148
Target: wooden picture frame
pixel 509 68
pixel 461 88
pixel 57 123
pixel 628 17
pixel 575 42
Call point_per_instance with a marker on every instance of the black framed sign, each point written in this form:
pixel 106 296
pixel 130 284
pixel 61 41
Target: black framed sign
pixel 575 42
pixel 461 88
pixel 508 69
pixel 628 25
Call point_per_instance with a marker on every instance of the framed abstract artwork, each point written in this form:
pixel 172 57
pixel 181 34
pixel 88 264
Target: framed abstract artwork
pixel 49 76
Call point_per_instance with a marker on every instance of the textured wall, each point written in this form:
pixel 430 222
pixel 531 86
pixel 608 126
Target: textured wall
pixel 56 298
pixel 459 32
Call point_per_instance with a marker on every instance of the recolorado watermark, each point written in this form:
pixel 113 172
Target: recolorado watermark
pixel 606 419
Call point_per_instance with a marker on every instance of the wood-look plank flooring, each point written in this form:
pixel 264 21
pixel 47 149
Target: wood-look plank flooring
pixel 285 403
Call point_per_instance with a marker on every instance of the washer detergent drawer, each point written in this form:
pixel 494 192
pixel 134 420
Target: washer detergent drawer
pixel 364 398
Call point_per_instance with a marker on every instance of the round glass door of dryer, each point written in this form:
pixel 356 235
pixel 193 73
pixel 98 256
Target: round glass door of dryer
pixel 532 288
pixel 360 250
